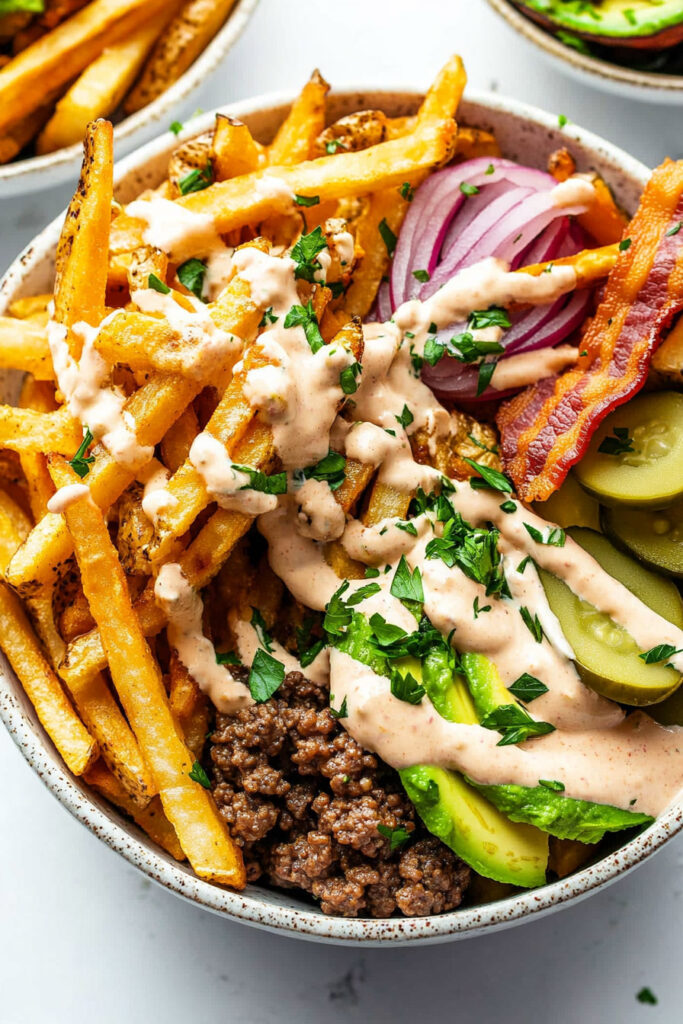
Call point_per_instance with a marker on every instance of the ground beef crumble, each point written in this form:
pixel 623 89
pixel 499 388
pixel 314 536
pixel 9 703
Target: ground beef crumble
pixel 303 800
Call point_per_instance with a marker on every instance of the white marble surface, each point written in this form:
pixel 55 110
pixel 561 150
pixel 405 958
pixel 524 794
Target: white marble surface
pixel 84 938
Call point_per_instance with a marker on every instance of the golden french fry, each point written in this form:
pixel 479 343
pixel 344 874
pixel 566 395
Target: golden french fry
pixel 386 502
pixel 590 264
pixel 473 142
pixel 181 43
pixel 175 446
pixel 603 220
pixel 233 149
pixel 352 133
pixel 14 528
pixel 376 231
pixel 38 395
pixel 137 678
pixel 100 88
pixel 42 687
pixel 23 346
pixel 25 430
pixel 18 135
pixel 59 56
pixel 240 201
pixel 296 135
pixel 151 818
pixel 30 305
pixel 81 267
pixel 444 95
pixel 75 618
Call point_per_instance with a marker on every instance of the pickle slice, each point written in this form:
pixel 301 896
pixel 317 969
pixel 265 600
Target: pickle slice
pixel 607 656
pixel 570 505
pixel 655 538
pixel 645 466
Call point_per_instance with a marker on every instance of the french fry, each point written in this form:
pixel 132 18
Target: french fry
pixel 175 446
pixel 75 618
pixel 603 220
pixel 183 40
pixel 23 346
pixel 240 201
pixel 14 528
pixel 352 133
pixel 189 705
pixel 137 678
pixel 381 221
pixel 474 142
pixel 25 430
pixel 29 305
pixel 81 266
pixel 18 135
pixel 444 95
pixel 151 819
pixel 40 396
pixel 590 265
pixel 233 149
pixel 100 88
pixel 42 687
pixel 386 502
pixel 59 56
pixel 296 135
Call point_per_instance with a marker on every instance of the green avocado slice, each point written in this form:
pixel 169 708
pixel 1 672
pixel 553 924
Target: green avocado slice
pixel 452 810
pixel 635 23
pixel 561 816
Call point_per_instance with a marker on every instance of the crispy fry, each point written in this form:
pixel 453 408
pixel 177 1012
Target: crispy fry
pixel 38 395
pixel 444 94
pixel 561 164
pixel 189 808
pixel 30 305
pixel 473 142
pixel 75 618
pixel 14 528
pixel 306 119
pixel 385 503
pixel 352 133
pixel 233 149
pixel 590 264
pixel 375 230
pixel 23 346
pixel 151 819
pixel 182 41
pixel 42 687
pixel 25 430
pixel 100 88
pixel 18 135
pixel 604 221
pixel 175 446
pixel 56 58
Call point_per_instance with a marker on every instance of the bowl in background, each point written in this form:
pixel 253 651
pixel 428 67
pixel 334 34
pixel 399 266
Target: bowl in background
pixel 615 78
pixel 42 172
pixel 525 134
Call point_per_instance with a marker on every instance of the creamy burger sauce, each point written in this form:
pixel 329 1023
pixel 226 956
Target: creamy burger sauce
pixel 596 751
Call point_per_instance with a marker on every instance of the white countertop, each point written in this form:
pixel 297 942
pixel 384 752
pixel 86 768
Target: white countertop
pixel 84 938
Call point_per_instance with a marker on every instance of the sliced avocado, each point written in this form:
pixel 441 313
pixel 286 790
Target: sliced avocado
pixel 640 24
pixel 515 854
pixel 547 809
pixel 607 657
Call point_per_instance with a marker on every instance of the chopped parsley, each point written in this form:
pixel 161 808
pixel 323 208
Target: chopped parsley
pixel 407 526
pixel 474 550
pixel 81 462
pixel 406 417
pixel 562 120
pixel 176 127
pixel 333 146
pixel 486 371
pixel 268 317
pixel 523 564
pixel 331 469
pixel 191 273
pixel 348 378
pixel 617 444
pixel 265 676
pixel 465 348
pixel 533 624
pixel 493 477
pixel 307 647
pixel 371 572
pixel 468 190
pixel 388 236
pixel 477 610
pixel 647 996
pixel 396 836
pixel 662 652
pixel 675 229
pixel 624 244
pixel 304 316
pixel 338 612
pixel 490 169
pixel 552 784
pixel 197 180
pixel 199 775
pixel 343 710
pixel 406 688
pixel 306 200
pixel 527 688
pixel 556 536
pixel 259 625
pixel 630 16
pixel 276 483
pixel 422 275
pixel 157 284
pixel 508 507
pixel 407 191
pixel 576 43
pixel 493 317
pixel 484 447
pixel 305 253
pixel 515 724
pixel 227 658
pixel 407 585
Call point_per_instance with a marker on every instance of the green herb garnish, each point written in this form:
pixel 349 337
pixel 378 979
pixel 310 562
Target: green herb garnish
pixel 265 676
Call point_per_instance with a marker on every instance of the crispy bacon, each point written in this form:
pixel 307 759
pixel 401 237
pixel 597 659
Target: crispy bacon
pixel 546 428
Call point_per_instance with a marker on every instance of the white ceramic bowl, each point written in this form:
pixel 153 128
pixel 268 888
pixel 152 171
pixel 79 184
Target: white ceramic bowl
pixel 525 134
pixel 53 169
pixel 614 78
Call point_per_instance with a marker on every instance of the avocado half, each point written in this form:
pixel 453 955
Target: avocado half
pixel 639 24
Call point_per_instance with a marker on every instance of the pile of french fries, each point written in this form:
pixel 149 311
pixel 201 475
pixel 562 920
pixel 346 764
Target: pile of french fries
pixel 77 61
pixel 79 623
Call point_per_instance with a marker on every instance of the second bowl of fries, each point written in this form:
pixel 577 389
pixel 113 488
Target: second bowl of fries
pixel 64 63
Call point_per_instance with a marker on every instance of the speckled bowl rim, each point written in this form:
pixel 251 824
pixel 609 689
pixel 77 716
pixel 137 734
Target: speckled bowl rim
pixel 649 85
pixel 62 161
pixel 260 907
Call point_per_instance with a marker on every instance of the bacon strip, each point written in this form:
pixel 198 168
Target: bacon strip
pixel 546 428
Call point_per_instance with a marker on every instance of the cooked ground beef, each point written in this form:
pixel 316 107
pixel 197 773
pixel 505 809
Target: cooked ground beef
pixel 304 801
